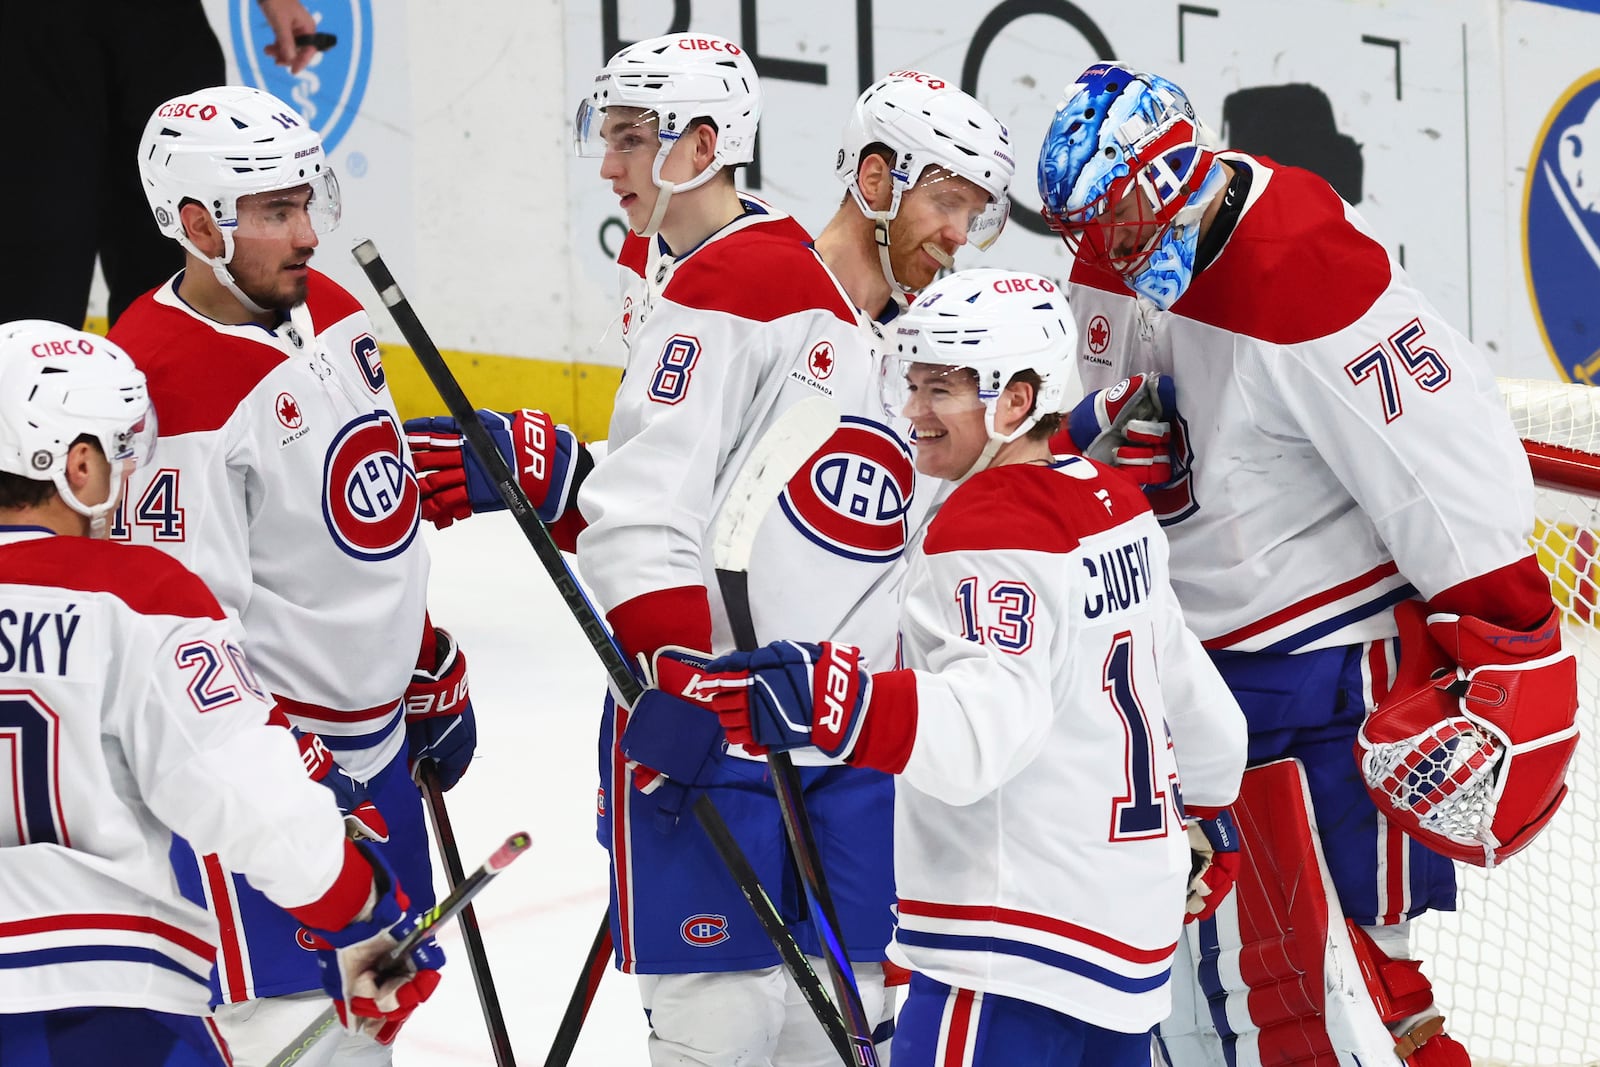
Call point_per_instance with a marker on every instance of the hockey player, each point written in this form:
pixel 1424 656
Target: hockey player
pixel 1328 454
pixel 285 484
pixel 131 714
pixel 1051 691
pixel 927 170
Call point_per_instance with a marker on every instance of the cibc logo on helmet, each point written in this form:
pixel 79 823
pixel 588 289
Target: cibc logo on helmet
pixel 710 44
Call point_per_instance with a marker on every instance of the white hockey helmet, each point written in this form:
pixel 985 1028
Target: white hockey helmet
pixel 218 145
pixel 58 384
pixel 676 80
pixel 995 323
pixel 926 121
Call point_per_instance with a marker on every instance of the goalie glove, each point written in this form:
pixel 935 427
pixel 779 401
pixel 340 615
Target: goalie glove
pixel 1469 751
pixel 546 458
pixel 1129 427
pixel 1214 847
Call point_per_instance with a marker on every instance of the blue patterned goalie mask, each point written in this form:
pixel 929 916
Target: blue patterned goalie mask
pixel 1125 174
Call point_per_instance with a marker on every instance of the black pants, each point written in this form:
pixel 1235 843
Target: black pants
pixel 80 79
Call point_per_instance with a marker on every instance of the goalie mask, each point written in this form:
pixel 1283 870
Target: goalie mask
pixel 1470 762
pixel 649 95
pixel 58 384
pixel 927 123
pixel 1126 173
pixel 220 145
pixel 985 325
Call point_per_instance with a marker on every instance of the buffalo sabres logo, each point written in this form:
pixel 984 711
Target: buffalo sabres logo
pixel 370 499
pixel 851 496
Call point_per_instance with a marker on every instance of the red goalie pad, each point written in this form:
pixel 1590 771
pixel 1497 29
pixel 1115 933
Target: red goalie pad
pixel 1470 758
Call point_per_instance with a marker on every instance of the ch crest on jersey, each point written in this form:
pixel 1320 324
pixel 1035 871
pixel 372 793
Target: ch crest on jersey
pixel 851 497
pixel 370 499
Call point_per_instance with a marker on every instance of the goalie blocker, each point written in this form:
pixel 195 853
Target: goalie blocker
pixel 1470 750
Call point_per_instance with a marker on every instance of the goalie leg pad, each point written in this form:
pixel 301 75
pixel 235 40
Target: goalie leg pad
pixel 1278 982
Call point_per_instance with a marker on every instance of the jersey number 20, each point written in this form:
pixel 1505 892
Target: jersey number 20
pixel 33 731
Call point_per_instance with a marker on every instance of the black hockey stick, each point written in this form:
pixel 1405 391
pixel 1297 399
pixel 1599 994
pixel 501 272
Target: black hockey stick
pixel 627 685
pixel 394 961
pixel 444 835
pixel 582 996
pixel 791 440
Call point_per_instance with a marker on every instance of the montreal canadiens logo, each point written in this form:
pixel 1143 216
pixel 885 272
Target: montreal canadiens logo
pixel 703 931
pixel 851 496
pixel 369 493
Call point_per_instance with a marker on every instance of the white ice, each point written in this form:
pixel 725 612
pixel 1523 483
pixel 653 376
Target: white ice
pixel 536 689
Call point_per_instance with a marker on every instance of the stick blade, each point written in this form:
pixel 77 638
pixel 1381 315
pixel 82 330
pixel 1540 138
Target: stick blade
pixel 791 440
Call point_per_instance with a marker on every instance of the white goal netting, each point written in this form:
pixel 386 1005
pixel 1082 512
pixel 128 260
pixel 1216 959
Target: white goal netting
pixel 1517 968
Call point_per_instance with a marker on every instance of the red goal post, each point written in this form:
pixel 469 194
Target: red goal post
pixel 1517 968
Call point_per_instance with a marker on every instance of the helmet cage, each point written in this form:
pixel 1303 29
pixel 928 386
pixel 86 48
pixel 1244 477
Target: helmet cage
pixel 1125 174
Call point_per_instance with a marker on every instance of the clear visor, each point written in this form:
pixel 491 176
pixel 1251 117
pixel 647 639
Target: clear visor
pixel 130 449
pixel 913 390
pixel 274 214
pixel 599 130
pixel 962 204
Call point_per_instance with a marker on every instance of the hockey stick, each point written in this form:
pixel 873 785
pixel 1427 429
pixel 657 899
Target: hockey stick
pixel 791 440
pixel 582 996
pixel 393 961
pixel 444 836
pixel 627 685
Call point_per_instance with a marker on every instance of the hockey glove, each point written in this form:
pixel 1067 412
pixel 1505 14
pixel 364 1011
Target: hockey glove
pixel 671 731
pixel 1128 427
pixel 369 1001
pixel 1214 844
pixel 362 820
pixel 547 459
pixel 791 695
pixel 439 722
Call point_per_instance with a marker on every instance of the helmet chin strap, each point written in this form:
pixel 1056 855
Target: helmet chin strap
pixel 667 188
pixel 996 440
pixel 98 514
pixel 219 268
pixel 880 234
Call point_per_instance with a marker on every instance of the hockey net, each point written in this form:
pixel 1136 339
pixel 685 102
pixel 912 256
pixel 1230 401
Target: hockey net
pixel 1517 968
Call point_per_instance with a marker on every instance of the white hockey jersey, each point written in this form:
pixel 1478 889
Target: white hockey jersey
pixel 1349 448
pixel 722 340
pixel 1040 852
pixel 283 479
pixel 131 713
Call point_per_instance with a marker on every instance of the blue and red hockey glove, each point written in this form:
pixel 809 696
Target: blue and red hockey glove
pixel 440 724
pixel 546 458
